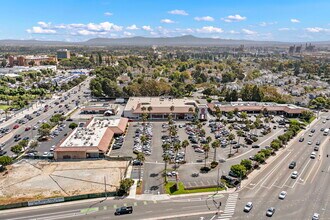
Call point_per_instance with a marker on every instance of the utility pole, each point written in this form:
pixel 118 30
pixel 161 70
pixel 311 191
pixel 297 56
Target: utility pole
pixel 105 188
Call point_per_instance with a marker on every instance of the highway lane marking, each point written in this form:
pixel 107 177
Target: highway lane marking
pixel 53 213
pixel 269 174
pixel 322 148
pixel 305 180
pixel 295 182
pixel 180 215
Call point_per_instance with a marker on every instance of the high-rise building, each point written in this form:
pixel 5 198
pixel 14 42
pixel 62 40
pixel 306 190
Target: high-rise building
pixel 63 54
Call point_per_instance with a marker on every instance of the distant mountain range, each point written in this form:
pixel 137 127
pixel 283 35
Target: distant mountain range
pixel 187 40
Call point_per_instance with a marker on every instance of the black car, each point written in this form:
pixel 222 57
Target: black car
pixel 313 130
pixel 137 163
pixel 255 146
pixel 292 165
pixel 124 210
pixel 2 152
pixel 301 139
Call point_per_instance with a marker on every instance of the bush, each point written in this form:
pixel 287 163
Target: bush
pixel 214 164
pixel 5 160
pixel 205 169
pixel 125 185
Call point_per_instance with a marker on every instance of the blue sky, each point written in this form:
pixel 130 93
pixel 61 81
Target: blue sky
pixel 79 20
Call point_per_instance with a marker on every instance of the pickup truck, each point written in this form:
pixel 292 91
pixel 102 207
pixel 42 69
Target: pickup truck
pixel 124 210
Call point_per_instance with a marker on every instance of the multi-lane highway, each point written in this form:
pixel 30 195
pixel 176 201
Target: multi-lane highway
pixel 306 194
pixel 74 94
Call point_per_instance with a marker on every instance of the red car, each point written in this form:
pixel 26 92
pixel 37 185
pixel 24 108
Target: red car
pixel 27 128
pixel 16 126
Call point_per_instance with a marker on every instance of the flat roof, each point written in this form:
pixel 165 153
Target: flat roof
pixel 96 134
pixel 159 104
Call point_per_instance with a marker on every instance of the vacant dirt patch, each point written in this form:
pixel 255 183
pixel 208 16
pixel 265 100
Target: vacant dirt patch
pixel 33 179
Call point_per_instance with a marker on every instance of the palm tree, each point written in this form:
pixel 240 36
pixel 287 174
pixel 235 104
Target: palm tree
pixel 172 109
pixel 166 159
pixel 149 110
pixel 231 137
pixel 206 148
pixel 208 139
pixel 140 157
pixel 184 145
pixel 143 139
pixel 215 145
pixel 177 147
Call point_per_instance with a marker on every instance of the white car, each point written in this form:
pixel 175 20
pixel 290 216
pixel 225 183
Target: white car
pixel 310 134
pixel 248 207
pixel 324 122
pixel 45 154
pixel 309 142
pixel 282 195
pixel 313 155
pixel 316 216
pixel 294 175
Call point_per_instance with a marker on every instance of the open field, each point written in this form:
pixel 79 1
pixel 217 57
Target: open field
pixel 37 179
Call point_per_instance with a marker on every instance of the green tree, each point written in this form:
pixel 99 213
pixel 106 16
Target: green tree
pixel 5 160
pixel 73 125
pixel 140 157
pixel 247 164
pixel 260 157
pixel 239 170
pixel 34 145
pixel 184 145
pixel 125 185
pixel 206 148
pixel 16 149
pixel 215 144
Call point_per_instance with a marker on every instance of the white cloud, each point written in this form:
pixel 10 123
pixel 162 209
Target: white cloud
pixel 178 12
pixel 132 27
pixel 40 30
pixel 233 18
pixel 294 20
pixel 264 24
pixel 209 29
pixel 317 30
pixel 167 21
pixel 127 34
pixel 146 28
pixel 233 32
pixel 205 18
pixel 284 29
pixel 86 32
pixel 104 26
pixel 108 14
pixel 248 32
pixel 44 24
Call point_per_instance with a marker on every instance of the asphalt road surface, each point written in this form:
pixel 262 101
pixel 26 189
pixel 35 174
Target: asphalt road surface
pixel 9 141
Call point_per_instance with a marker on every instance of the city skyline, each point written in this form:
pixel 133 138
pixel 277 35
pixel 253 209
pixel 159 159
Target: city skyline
pixel 256 20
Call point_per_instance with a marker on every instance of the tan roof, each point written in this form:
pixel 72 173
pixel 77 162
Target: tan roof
pixel 227 108
pixel 120 129
pixel 164 109
pixel 102 146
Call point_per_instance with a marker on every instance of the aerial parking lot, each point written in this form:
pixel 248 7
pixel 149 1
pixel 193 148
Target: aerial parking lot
pixel 190 146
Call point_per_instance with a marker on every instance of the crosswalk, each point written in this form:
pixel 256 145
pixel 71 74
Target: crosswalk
pixel 229 207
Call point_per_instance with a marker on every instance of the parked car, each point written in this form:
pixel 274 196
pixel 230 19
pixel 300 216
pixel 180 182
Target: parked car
pixel 137 163
pixel 316 216
pixel 255 146
pixel 282 195
pixel 270 212
pixel 301 139
pixel 16 126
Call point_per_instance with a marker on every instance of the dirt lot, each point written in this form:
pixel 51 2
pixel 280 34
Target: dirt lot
pixel 33 179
